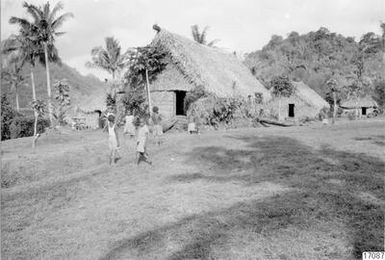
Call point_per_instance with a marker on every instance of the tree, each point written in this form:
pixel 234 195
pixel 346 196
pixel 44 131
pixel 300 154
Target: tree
pixel 354 91
pixel 63 100
pixel 281 87
pixel 332 90
pixel 39 107
pixel 379 93
pixel 12 74
pixel 25 49
pixel 110 58
pixel 200 37
pixel 45 26
pixel 145 64
pixel 7 114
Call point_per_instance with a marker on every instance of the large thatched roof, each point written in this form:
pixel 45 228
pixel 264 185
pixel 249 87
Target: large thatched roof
pixel 366 101
pixel 309 96
pixel 221 73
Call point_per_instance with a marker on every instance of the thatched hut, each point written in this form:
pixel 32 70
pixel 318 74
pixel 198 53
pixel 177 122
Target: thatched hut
pixel 88 112
pixel 364 105
pixel 304 103
pixel 191 65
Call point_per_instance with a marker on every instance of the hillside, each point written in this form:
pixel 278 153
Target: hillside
pixel 82 87
pixel 317 56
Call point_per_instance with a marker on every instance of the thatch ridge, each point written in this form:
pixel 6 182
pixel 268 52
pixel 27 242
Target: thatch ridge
pixel 221 73
pixel 366 101
pixel 309 96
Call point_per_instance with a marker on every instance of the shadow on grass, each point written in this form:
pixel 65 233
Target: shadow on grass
pixel 327 188
pixel 376 139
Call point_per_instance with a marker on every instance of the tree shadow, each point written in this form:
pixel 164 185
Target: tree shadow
pixel 376 139
pixel 327 186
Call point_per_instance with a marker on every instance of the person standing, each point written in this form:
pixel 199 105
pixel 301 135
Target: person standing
pixel 141 142
pixel 113 142
pixel 156 120
pixel 129 127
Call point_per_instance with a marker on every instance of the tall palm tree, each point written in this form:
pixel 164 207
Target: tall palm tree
pixel 110 58
pixel 21 49
pixel 45 26
pixel 12 74
pixel 200 37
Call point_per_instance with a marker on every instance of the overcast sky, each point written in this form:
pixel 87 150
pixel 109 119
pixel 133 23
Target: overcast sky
pixel 241 25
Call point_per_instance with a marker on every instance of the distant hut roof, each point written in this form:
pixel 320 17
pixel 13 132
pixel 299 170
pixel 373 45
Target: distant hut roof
pixel 221 73
pixel 308 95
pixel 366 101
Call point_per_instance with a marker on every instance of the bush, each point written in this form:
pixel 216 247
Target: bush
pixel 213 111
pixel 7 114
pixel 193 95
pixel 22 126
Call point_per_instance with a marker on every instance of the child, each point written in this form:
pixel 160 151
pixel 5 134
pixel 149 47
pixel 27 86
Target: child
pixel 113 142
pixel 141 142
pixel 129 127
pixel 192 125
pixel 156 120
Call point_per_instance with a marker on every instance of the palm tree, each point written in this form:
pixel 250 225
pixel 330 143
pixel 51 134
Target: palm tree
pixel 21 49
pixel 12 65
pixel 200 37
pixel 26 48
pixel 109 59
pixel 45 27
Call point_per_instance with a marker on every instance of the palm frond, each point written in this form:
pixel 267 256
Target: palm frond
pixel 211 44
pixel 24 23
pixel 195 33
pixel 57 8
pixel 203 35
pixel 60 20
pixel 34 11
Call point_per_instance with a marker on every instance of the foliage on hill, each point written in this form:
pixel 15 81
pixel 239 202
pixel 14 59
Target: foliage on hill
pixel 81 86
pixel 318 56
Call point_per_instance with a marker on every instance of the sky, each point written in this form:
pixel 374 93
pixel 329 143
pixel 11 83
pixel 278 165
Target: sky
pixel 241 25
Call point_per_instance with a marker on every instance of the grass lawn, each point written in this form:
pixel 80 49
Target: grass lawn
pixel 314 192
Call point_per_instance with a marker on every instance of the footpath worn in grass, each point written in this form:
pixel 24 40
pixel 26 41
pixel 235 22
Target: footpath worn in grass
pixel 298 193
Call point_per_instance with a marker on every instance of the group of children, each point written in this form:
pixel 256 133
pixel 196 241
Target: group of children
pixel 138 128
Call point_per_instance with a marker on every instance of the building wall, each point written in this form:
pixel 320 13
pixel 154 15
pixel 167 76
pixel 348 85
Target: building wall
pixel 301 108
pixel 165 101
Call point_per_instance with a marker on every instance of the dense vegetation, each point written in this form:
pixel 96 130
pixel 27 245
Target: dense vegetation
pixel 318 56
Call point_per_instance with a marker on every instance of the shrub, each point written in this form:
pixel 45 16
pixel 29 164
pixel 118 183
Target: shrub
pixel 213 111
pixel 22 126
pixel 193 95
pixel 135 101
pixel 7 114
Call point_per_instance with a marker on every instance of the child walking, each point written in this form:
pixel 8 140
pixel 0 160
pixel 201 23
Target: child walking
pixel 141 142
pixel 113 142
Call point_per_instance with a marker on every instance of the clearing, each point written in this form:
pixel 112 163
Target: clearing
pixel 313 192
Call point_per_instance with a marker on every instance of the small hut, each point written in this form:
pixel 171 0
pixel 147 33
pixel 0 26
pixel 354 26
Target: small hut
pixel 364 105
pixel 88 113
pixel 192 64
pixel 303 103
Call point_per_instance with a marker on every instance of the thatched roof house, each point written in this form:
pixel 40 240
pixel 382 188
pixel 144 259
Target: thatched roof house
pixel 193 64
pixel 365 105
pixel 366 101
pixel 305 102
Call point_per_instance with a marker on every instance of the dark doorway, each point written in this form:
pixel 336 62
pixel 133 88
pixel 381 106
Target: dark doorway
pixel 364 111
pixel 291 110
pixel 179 103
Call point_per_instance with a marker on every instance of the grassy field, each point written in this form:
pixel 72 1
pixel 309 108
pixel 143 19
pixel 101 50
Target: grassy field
pixel 313 192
